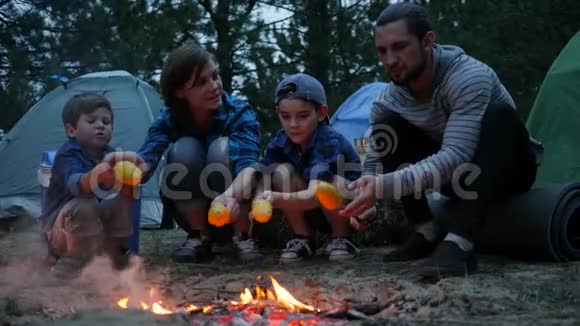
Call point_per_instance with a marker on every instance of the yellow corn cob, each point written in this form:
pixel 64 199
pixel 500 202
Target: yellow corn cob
pixel 128 173
pixel 218 215
pixel 328 196
pixel 261 210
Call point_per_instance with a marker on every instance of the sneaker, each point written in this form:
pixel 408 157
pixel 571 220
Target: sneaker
pixel 416 247
pixel 247 250
pixel 296 250
pixel 449 260
pixel 341 249
pixel 69 267
pixel 193 251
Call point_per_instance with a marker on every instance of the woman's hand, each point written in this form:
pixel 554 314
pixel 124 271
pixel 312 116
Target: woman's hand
pixel 231 204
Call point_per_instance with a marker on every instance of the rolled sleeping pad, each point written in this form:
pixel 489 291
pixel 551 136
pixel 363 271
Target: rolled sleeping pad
pixel 542 224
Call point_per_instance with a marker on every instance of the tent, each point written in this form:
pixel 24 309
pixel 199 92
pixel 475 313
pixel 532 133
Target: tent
pixel 135 104
pixel 555 118
pixel 351 119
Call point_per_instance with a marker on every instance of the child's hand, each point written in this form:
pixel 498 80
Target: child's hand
pixel 113 158
pixel 101 175
pixel 266 195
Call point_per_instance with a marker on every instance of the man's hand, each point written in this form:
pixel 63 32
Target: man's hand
pixel 366 198
pixel 361 222
pixel 115 157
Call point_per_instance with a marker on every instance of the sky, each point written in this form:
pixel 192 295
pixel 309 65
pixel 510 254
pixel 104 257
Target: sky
pixel 271 14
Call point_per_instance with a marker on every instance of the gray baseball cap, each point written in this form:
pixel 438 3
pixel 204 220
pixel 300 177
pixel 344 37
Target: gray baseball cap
pixel 307 88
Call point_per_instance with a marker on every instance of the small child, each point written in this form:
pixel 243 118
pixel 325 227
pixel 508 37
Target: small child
pixel 301 155
pixel 78 223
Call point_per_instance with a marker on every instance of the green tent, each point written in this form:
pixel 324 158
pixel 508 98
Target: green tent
pixel 555 118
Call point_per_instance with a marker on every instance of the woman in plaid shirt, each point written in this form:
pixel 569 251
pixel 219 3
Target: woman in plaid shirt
pixel 212 137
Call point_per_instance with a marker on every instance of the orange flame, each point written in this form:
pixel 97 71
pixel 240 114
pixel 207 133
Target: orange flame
pixel 155 307
pixel 159 310
pixel 123 303
pixel 191 307
pixel 287 300
pixel 281 297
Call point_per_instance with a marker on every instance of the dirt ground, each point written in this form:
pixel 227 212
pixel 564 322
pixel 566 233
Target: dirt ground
pixel 502 292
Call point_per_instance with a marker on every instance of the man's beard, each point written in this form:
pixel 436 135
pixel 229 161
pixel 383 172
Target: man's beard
pixel 415 72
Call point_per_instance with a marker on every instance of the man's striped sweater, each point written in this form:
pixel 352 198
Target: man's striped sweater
pixel 462 89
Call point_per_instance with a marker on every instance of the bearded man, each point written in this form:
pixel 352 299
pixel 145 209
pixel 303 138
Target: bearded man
pixel 445 122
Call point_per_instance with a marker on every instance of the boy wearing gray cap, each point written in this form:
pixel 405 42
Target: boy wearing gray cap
pixel 303 153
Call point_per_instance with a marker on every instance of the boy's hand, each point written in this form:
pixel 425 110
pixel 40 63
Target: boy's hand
pixel 266 195
pixel 366 198
pixel 105 174
pixel 115 157
pixel 102 175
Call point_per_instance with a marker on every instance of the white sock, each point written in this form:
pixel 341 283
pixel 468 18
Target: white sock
pixel 428 230
pixel 463 243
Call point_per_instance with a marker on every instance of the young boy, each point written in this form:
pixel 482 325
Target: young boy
pixel 77 222
pixel 305 152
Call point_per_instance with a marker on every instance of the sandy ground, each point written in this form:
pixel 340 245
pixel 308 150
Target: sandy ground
pixel 502 292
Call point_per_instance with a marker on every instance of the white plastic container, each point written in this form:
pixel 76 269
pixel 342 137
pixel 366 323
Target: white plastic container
pixel 44 173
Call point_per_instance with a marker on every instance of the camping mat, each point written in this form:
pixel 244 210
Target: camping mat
pixel 542 224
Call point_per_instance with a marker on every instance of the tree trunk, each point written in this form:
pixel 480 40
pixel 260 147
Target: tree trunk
pixel 225 46
pixel 318 40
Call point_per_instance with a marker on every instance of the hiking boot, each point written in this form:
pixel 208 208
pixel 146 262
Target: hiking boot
pixel 296 250
pixel 193 251
pixel 449 260
pixel 248 251
pixel 415 247
pixel 69 267
pixel 341 249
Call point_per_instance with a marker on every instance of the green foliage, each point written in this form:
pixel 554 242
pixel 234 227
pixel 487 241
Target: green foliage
pixel 519 39
pixel 330 39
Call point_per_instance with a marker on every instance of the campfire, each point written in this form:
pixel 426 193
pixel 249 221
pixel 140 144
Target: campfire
pixel 262 305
